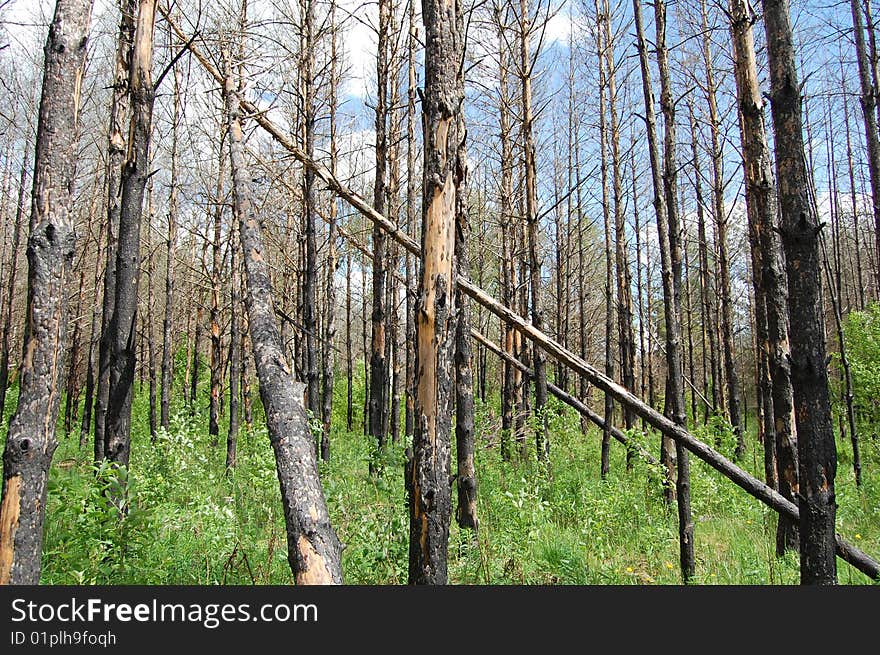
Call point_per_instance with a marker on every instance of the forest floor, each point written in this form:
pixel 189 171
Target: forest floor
pixel 188 523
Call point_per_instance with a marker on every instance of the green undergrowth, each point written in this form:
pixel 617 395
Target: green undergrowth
pixel 187 522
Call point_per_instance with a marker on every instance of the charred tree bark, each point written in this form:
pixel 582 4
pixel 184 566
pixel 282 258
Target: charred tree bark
pixel 444 172
pixel 411 217
pixel 31 440
pixel 332 264
pixel 510 376
pixel 215 330
pixel 378 362
pixel 605 462
pixel 731 377
pixel 868 101
pixel 542 446
pixel 313 548
pixel 134 178
pixel 761 203
pixel 167 323
pixel 116 153
pixel 466 479
pixel 5 345
pixel 799 229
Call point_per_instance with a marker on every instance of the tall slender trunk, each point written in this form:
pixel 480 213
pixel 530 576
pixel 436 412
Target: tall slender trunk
pixel 510 375
pixel 605 462
pixel 466 480
pixel 332 261
pixel 31 440
pixel 411 215
pixel 117 444
pixel 168 320
pixel 116 153
pixel 88 401
pixel 215 330
pixel 761 202
pixel 378 362
pixel 625 337
pixel 670 259
pixel 147 323
pixel 310 272
pixel 729 346
pixel 868 100
pixel 349 363
pixel 799 229
pixel 444 173
pixel 5 336
pixel 235 343
pixel 539 365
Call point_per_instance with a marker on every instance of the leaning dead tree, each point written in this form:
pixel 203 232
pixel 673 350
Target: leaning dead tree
pixel 575 363
pixel 313 548
pixel 31 440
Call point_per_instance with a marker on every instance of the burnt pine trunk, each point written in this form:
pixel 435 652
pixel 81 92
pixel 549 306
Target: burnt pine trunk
pixel 625 335
pixel 660 209
pixel 868 101
pixel 5 345
pixel 116 149
pixel 234 355
pixel 332 264
pixel 216 335
pixel 605 462
pixel 310 274
pixel 542 446
pixel 762 209
pixel 731 378
pixel 411 216
pixel 378 364
pixel 670 261
pixel 429 484
pixel 799 228
pixel 167 374
pixel 31 440
pixel 466 480
pixel 134 178
pixel 510 375
pixel 94 335
pixel 313 548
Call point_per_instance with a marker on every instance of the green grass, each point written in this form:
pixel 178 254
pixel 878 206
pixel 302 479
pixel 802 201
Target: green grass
pixel 189 524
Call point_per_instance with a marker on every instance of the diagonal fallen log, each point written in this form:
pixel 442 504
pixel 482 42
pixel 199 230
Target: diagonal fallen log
pixel 576 403
pixel 572 401
pixel 750 484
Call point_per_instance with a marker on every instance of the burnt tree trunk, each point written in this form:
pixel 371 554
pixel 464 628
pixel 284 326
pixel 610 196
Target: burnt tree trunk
pixel 31 440
pixel 116 149
pixel 313 548
pixel 5 344
pixel 731 377
pixel 762 209
pixel 135 171
pixel 799 229
pixel 429 485
pixel 466 480
pixel 378 364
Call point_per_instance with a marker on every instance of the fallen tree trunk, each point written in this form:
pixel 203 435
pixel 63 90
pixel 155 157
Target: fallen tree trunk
pixel 716 460
pixel 575 403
